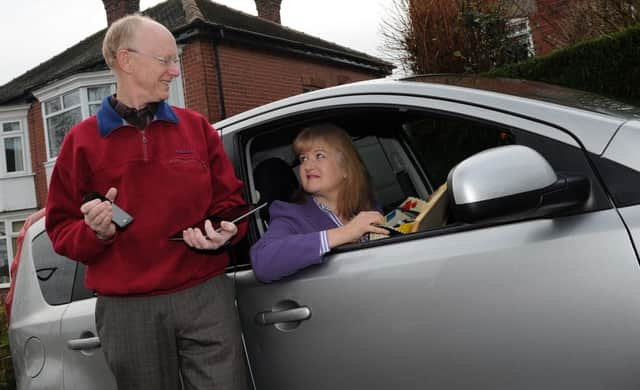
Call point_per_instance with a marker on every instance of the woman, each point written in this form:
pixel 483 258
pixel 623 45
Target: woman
pixel 335 207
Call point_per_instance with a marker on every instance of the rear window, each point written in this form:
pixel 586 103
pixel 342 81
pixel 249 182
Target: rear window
pixel 55 273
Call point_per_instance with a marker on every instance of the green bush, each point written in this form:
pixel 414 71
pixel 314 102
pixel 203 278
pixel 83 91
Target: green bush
pixel 607 65
pixel 7 379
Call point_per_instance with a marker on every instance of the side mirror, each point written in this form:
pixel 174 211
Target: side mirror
pixel 509 180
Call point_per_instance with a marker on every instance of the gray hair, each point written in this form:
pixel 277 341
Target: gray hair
pixel 120 34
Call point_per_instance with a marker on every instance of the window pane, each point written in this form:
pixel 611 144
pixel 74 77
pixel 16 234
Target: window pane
pixel 71 99
pixel 52 106
pixel 16 226
pixel 442 142
pixel 55 273
pixel 58 126
pixel 95 94
pixel 3 232
pixel 93 109
pixel 13 154
pixel 11 126
pixel 4 262
pixel 384 180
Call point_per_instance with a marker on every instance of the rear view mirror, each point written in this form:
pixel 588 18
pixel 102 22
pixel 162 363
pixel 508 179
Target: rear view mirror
pixel 509 180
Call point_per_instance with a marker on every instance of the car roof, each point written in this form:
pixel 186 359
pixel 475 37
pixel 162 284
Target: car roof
pixel 592 118
pixel 539 91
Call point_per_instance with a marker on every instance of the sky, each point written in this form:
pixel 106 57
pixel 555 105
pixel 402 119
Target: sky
pixel 33 31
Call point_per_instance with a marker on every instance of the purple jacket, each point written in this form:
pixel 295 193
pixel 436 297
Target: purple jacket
pixel 292 241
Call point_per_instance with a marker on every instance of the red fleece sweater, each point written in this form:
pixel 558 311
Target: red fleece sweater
pixel 168 176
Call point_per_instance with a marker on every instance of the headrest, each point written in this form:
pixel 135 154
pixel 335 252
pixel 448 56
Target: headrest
pixel 275 180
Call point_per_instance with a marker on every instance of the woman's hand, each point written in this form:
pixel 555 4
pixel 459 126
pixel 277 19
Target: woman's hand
pixel 212 238
pixel 361 224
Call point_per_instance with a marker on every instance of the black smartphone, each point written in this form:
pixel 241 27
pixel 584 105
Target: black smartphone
pixel 118 216
pixel 233 214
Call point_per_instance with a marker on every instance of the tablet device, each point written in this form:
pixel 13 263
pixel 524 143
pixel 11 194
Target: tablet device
pixel 233 214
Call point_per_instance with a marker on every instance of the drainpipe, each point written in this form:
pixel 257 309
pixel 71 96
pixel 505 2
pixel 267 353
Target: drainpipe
pixel 216 43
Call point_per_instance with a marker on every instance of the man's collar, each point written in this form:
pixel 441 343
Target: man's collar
pixel 109 120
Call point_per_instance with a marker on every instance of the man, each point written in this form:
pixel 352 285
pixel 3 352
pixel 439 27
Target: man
pixel 165 309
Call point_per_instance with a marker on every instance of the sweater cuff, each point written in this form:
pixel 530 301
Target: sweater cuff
pixel 324 243
pixel 100 240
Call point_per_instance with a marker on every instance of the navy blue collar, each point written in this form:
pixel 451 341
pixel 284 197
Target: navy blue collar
pixel 109 120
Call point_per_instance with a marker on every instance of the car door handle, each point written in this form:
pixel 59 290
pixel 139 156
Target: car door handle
pixel 289 315
pixel 83 344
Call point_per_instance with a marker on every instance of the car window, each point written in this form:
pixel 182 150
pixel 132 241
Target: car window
pixel 55 273
pixel 79 290
pixel 440 142
pixel 408 153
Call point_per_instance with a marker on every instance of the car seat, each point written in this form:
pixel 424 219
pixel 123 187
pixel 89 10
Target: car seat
pixel 274 179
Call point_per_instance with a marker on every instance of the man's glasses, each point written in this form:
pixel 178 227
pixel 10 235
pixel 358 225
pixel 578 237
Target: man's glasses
pixel 164 61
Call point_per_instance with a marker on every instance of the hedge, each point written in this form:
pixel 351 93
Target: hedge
pixel 608 65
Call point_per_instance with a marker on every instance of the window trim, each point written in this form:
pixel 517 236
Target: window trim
pixel 78 82
pixel 15 114
pixel 20 134
pixel 520 29
pixel 83 81
pixel 9 235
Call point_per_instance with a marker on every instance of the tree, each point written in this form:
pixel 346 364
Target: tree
pixel 444 36
pixel 587 19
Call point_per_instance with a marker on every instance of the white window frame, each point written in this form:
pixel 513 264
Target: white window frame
pixel 520 29
pixel 9 235
pixel 87 80
pixel 8 115
pixel 78 83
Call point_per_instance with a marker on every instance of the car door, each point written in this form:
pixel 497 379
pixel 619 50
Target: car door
pixel 526 302
pixel 84 363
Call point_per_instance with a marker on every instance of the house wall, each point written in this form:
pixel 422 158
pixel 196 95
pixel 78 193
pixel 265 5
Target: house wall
pixel 546 25
pixel 200 79
pixel 251 77
pixel 254 77
pixel 38 151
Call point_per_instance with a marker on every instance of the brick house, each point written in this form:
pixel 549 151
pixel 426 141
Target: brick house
pixel 539 23
pixel 230 62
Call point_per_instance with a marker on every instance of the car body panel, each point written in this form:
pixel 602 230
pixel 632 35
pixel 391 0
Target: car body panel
pixel 539 304
pixel 631 216
pixel 35 327
pixel 84 368
pixel 47 329
pixel 624 146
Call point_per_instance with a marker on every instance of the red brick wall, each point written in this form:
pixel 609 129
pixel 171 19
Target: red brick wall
pixel 255 77
pixel 546 25
pixel 38 151
pixel 200 79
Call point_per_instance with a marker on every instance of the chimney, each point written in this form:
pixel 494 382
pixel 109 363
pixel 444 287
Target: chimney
pixel 118 8
pixel 269 9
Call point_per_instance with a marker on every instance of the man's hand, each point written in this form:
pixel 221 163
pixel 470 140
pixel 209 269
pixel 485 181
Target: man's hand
pixel 97 215
pixel 212 238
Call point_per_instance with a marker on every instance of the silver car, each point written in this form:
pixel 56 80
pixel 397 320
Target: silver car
pixel 524 274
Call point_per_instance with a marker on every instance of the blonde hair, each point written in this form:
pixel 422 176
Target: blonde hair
pixel 355 195
pixel 120 34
